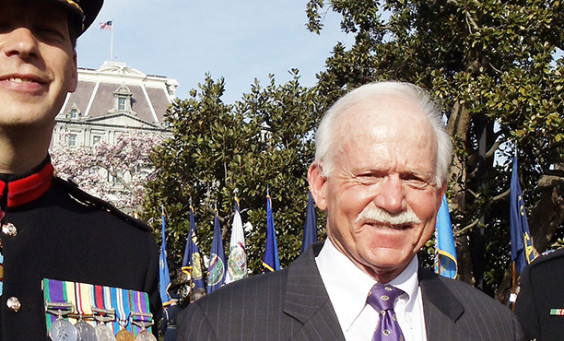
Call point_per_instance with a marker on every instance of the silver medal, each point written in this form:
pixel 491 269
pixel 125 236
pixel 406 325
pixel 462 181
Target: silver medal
pixel 63 330
pixel 103 333
pixel 145 335
pixel 85 331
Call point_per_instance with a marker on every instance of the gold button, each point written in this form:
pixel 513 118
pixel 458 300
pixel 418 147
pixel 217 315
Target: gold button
pixel 9 229
pixel 14 304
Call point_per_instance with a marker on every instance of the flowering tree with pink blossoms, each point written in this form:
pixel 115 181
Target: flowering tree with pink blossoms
pixel 115 172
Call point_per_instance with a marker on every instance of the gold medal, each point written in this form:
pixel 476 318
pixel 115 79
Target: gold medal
pixel 124 335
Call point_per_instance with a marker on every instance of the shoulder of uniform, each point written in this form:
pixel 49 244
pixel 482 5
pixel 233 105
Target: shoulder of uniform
pixel 550 257
pixel 89 200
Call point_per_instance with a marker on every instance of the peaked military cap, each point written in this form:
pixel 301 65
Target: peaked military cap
pixel 85 10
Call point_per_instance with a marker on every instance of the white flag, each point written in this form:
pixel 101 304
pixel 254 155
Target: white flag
pixel 237 262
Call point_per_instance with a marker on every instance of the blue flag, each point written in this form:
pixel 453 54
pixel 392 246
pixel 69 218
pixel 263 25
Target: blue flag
pixel 521 246
pixel 445 259
pixel 310 230
pixel 164 275
pixel 192 261
pixel 271 261
pixel 216 270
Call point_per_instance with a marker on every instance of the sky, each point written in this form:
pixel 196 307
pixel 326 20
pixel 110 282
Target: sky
pixel 238 40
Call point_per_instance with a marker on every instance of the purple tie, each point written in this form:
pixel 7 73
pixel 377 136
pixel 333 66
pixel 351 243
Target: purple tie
pixel 382 298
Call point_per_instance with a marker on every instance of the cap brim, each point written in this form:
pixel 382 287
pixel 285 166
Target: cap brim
pixel 87 10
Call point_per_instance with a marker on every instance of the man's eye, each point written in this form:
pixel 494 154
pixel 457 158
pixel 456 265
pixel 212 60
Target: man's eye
pixel 367 179
pixel 50 33
pixel 414 181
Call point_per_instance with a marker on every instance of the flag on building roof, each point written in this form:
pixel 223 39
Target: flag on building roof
pixel 271 261
pixel 445 256
pixel 237 261
pixel 164 275
pixel 521 245
pixel 310 230
pixel 216 270
pixel 192 261
pixel 107 26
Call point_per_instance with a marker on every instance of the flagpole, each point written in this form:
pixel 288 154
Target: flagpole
pixel 513 286
pixel 112 44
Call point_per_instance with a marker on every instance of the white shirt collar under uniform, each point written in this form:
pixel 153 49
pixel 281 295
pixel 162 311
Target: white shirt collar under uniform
pixel 348 286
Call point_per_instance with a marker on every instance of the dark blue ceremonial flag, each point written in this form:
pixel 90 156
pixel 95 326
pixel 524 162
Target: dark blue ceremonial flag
pixel 164 275
pixel 521 245
pixel 271 261
pixel 216 270
pixel 310 230
pixel 192 261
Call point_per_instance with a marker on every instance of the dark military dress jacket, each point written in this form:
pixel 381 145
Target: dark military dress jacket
pixel 540 304
pixel 51 229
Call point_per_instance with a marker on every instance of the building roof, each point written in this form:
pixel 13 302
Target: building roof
pixel 95 96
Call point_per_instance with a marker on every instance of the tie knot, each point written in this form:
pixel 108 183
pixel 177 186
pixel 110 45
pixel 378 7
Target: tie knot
pixel 383 296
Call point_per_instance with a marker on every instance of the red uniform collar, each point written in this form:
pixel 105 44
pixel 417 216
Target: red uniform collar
pixel 20 190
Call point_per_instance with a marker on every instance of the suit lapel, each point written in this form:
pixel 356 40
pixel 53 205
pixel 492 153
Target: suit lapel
pixel 441 308
pixel 307 301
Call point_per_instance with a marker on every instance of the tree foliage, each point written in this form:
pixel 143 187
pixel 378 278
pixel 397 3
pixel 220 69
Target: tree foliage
pixel 260 145
pixel 496 69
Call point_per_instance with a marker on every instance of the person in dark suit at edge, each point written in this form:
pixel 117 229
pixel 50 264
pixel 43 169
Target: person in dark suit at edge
pixel 380 171
pixel 540 303
pixel 49 228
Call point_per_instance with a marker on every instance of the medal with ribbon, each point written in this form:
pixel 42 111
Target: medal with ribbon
pixel 114 310
pixel 103 313
pixel 83 300
pixel 124 314
pixel 57 308
pixel 142 318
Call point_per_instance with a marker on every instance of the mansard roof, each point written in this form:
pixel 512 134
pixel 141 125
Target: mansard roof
pixel 96 91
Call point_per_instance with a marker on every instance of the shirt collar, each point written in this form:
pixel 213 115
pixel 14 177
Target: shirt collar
pixel 338 272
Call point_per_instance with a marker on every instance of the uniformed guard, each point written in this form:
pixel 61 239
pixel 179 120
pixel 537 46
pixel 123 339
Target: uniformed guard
pixel 168 323
pixel 70 264
pixel 540 304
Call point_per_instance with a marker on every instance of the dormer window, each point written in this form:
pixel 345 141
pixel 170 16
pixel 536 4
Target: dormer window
pixel 121 103
pixel 123 100
pixel 74 113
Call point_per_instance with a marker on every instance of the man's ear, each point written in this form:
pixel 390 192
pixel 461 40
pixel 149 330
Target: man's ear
pixel 440 193
pixel 73 84
pixel 317 186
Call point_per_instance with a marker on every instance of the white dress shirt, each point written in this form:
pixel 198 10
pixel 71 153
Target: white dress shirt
pixel 348 287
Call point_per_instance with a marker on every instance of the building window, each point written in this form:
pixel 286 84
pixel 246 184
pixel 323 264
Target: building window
pixel 121 104
pixel 73 113
pixel 72 140
pixel 96 139
pixel 123 100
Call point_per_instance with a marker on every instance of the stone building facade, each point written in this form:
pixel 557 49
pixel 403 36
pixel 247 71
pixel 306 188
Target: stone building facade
pixel 111 100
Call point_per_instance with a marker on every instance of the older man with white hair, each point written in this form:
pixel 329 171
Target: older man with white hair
pixel 380 171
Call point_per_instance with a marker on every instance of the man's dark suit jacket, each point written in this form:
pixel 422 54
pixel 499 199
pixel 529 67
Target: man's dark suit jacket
pixel 293 304
pixel 542 285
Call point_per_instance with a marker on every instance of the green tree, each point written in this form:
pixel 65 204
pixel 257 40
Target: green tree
pixel 261 144
pixel 494 67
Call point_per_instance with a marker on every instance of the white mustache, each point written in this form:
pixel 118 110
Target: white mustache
pixel 381 216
